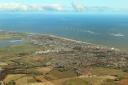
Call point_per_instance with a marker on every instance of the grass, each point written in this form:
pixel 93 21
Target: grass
pixel 20 79
pixel 22 53
pixel 55 74
pixel 15 51
pixel 13 77
pixel 110 82
pixel 107 71
pixel 10 36
pixel 95 80
pixel 76 81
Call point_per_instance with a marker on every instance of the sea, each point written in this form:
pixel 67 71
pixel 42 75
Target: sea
pixel 103 29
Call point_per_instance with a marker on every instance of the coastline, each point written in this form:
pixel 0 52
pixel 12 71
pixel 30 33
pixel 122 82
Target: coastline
pixel 85 42
pixel 65 38
pixel 77 41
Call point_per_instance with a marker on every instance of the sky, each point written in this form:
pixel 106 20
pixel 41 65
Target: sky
pixel 65 5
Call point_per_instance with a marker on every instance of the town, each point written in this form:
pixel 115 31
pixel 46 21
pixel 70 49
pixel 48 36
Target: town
pixel 51 60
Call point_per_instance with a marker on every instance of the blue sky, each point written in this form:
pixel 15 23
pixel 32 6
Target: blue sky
pixel 65 5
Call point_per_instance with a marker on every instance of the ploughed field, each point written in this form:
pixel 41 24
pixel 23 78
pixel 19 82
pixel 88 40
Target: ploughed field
pixel 51 60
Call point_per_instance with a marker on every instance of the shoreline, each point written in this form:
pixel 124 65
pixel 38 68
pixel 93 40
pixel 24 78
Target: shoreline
pixel 78 41
pixel 66 38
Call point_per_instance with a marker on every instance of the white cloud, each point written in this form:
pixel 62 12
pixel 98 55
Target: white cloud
pixel 81 7
pixel 13 6
pixel 78 7
pixel 30 7
pixel 56 7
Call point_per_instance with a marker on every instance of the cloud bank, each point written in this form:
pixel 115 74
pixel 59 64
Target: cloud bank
pixel 30 7
pixel 77 7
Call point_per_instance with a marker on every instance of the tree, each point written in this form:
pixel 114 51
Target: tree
pixel 11 83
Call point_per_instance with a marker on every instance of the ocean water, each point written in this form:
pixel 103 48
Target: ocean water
pixel 110 30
